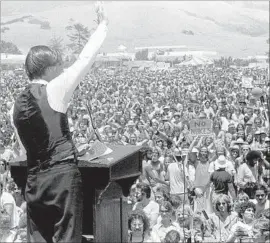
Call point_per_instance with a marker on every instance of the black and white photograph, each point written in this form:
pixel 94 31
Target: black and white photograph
pixel 134 121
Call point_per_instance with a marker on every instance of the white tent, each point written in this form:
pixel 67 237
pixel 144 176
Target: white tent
pixel 122 48
pixel 196 61
pixel 12 59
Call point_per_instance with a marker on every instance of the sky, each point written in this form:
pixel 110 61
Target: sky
pixel 10 7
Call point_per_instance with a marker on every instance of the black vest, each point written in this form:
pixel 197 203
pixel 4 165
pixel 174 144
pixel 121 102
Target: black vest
pixel 43 131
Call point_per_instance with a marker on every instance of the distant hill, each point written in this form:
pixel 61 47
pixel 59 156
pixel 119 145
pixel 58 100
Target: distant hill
pixel 231 28
pixel 29 19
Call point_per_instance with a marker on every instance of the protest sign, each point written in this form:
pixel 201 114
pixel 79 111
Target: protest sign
pixel 247 82
pixel 259 82
pixel 201 127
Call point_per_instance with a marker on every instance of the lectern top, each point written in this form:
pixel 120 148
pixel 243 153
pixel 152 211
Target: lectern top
pixel 119 153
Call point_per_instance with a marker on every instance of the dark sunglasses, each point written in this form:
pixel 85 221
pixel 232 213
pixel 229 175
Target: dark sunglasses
pixel 260 195
pixel 219 203
pixel 163 211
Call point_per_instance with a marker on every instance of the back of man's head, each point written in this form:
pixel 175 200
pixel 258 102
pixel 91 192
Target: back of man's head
pixel 38 59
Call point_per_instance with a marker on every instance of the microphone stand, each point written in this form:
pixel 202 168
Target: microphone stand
pixel 88 106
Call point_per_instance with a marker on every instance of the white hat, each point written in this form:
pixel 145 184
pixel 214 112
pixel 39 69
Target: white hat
pixel 195 150
pixel 221 162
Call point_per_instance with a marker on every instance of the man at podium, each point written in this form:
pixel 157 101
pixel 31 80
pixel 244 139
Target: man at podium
pixel 54 186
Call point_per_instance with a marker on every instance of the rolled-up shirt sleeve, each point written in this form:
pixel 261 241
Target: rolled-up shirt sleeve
pixel 60 89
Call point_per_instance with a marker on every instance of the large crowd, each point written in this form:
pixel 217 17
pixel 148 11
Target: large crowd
pixel 194 187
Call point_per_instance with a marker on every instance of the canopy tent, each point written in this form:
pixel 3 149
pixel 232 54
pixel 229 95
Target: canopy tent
pixel 12 59
pixel 195 61
pixel 122 48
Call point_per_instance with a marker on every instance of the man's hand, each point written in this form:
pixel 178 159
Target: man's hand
pixel 101 13
pixel 198 192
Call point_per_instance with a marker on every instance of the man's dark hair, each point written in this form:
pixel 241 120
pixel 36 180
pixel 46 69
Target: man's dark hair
pixel 253 154
pixel 38 59
pixel 144 189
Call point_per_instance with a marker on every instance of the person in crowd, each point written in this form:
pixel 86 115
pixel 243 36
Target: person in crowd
pixel 221 221
pixel 245 148
pixel 202 177
pixel 161 195
pixel 4 173
pixel 166 224
pixel 266 213
pixel 9 216
pixel 193 226
pixel 241 197
pixel 248 173
pixel 13 189
pixel 262 202
pixel 222 174
pixel 243 228
pixel 178 178
pixel 150 207
pixel 138 226
pixel 173 236
pixel 260 230
pixel 154 171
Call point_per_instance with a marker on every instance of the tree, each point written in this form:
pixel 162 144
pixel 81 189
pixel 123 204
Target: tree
pixel 56 44
pixel 45 25
pixel 4 29
pixel 142 55
pixel 9 47
pixel 79 35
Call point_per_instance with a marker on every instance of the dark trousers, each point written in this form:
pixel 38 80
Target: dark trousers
pixel 54 204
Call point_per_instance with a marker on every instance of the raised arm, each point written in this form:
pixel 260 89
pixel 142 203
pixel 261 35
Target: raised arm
pixel 60 89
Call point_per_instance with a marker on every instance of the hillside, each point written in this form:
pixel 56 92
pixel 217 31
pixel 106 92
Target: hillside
pixel 226 27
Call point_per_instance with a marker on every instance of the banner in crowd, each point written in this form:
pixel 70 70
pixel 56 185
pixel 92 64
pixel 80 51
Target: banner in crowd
pixel 259 81
pixel 201 127
pixel 247 82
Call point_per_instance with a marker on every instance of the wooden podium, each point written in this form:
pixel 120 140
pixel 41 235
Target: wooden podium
pixel 105 181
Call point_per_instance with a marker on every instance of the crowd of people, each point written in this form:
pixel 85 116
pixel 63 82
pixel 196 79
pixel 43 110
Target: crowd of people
pixel 210 187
